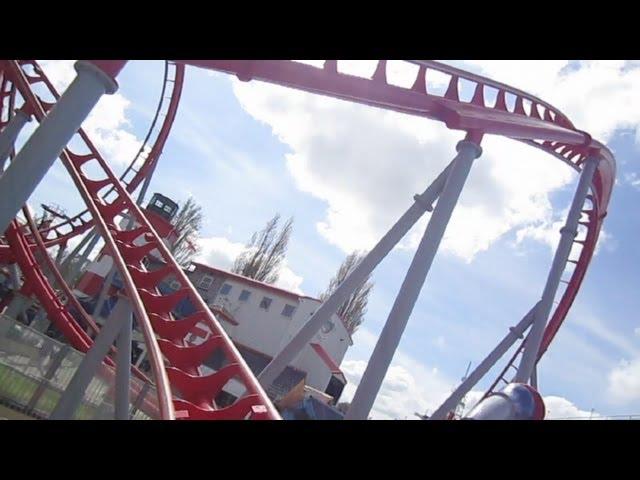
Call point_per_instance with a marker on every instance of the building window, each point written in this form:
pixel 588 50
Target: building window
pixel 205 282
pixel 226 288
pixel 288 310
pixel 244 295
pixel 266 303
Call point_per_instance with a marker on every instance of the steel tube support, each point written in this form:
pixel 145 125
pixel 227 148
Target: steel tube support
pixel 567 236
pixel 123 364
pixel 389 339
pixel 73 394
pixel 15 276
pixel 534 377
pixel 9 135
pixel 422 203
pixel 487 364
pixel 102 296
pixel 45 144
pixel 64 265
pixel 73 268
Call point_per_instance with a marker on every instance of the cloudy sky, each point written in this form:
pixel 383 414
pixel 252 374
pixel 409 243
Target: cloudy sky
pixel 346 172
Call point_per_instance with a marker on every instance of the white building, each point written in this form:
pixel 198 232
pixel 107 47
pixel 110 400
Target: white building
pixel 261 319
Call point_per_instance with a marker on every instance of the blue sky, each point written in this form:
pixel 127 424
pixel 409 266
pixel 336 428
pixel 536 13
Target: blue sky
pixel 346 172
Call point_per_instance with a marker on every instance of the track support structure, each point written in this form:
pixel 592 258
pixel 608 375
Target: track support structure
pixel 567 237
pixel 37 155
pixel 389 339
pixel 422 204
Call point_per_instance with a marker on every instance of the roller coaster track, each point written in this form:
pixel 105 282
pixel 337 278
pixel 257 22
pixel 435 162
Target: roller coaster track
pixel 143 163
pixel 151 309
pixel 513 114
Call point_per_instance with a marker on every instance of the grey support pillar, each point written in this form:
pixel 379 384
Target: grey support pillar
pixel 567 236
pixel 15 276
pixel 102 296
pixel 72 396
pixel 64 265
pixel 72 268
pixel 534 377
pixel 484 366
pixel 409 291
pixel 123 364
pixel 422 203
pixel 9 135
pixel 61 249
pixel 47 142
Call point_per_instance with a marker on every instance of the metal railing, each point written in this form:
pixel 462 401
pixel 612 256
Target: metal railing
pixel 36 369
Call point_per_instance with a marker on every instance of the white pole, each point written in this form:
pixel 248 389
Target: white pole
pixel 422 203
pixel 567 235
pixel 45 144
pixel 389 339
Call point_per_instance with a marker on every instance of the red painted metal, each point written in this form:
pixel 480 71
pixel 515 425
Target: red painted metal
pixel 73 163
pixel 529 120
pixel 140 167
pixel 550 131
pixel 110 67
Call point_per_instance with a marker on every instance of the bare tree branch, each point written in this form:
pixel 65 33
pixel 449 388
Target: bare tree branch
pixel 263 255
pixel 352 311
pixel 187 224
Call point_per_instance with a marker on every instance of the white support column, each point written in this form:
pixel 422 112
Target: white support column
pixel 409 291
pixel 567 235
pixel 47 142
pixel 104 289
pixel 123 364
pixel 534 377
pixel 73 394
pixel 9 135
pixel 422 203
pixel 487 364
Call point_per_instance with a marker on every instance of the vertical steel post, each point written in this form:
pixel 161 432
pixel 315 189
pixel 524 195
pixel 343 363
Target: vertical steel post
pixel 567 236
pixel 389 339
pixel 54 132
pixel 123 364
pixel 422 203
pixel 72 396
pixel 534 377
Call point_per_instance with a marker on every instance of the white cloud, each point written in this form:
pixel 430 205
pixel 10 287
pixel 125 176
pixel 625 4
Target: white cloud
pixel 107 125
pixel 624 382
pixel 404 391
pixel 560 408
pixel 221 252
pixel 633 180
pixel 547 232
pixel 366 163
pixel 411 387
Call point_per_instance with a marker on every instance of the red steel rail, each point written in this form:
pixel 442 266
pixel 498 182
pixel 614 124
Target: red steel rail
pixel 514 114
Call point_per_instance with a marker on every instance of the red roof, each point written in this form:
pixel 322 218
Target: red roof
pixel 265 286
pixel 326 358
pixel 252 282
